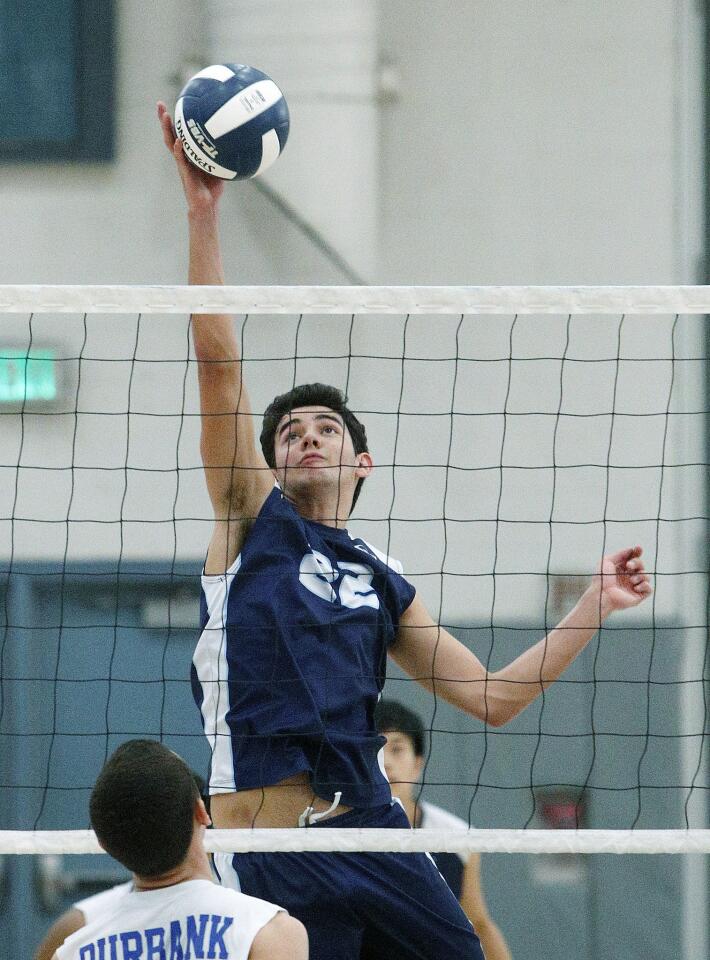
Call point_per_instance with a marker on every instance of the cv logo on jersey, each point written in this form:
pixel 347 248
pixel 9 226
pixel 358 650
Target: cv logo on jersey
pixel 350 583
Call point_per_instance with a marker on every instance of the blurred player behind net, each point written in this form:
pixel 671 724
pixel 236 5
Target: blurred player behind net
pixel 404 762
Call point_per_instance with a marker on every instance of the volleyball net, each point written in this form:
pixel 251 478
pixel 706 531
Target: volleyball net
pixel 518 433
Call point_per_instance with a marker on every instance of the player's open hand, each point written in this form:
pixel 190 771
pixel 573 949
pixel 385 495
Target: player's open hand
pixel 622 580
pixel 202 191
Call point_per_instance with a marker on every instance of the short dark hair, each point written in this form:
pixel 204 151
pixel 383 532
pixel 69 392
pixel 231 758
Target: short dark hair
pixel 142 807
pixel 312 395
pixel 393 717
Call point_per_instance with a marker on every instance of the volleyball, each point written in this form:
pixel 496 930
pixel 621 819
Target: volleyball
pixel 233 121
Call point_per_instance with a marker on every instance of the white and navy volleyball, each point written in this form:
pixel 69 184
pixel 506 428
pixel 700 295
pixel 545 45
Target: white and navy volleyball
pixel 233 121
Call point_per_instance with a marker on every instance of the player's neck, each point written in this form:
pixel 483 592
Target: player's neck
pixel 330 510
pixel 194 867
pixel 412 809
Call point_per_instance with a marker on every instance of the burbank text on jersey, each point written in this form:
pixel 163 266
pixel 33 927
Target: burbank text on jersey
pixel 201 938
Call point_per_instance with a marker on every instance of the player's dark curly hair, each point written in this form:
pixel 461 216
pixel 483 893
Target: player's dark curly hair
pixel 393 717
pixel 312 395
pixel 142 807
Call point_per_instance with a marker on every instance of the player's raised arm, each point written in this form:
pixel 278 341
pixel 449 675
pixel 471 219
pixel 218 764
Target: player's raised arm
pixel 238 478
pixel 435 658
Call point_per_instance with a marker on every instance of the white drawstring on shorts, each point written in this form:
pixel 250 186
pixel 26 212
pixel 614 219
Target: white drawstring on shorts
pixel 309 816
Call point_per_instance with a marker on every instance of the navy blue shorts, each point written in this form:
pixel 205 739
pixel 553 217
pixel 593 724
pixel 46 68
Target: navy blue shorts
pixel 390 906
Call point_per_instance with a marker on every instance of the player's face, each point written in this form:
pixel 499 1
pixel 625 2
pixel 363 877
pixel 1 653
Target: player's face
pixel 313 448
pixel 402 764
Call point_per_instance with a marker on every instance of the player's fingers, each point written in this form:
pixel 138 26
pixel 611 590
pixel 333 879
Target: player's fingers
pixel 166 124
pixel 643 588
pixel 168 134
pixel 623 556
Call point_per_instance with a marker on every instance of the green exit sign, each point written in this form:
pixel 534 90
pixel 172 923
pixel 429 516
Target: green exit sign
pixel 27 377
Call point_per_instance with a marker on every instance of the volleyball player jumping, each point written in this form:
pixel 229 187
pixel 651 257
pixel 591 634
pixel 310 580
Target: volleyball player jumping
pixel 298 618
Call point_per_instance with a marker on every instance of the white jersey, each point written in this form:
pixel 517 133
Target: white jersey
pixel 197 919
pixel 96 907
pixel 439 819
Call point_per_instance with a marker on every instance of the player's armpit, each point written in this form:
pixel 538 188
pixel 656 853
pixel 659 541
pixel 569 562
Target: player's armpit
pixel 283 938
pixel 238 478
pixel 226 543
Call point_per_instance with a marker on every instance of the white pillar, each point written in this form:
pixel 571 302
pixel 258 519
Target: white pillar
pixel 323 55
pixel 689 177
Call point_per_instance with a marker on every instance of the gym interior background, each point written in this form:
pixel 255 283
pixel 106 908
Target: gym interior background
pixel 477 144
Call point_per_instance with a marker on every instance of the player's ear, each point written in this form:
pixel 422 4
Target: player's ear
pixel 201 815
pixel 365 465
pixel 419 765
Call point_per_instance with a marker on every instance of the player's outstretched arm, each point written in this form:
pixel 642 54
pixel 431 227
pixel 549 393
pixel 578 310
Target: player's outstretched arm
pixel 238 478
pixel 442 664
pixel 283 938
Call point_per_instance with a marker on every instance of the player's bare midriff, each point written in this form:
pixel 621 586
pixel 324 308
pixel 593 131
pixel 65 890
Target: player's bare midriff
pixel 279 805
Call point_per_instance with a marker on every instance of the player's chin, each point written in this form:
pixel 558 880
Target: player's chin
pixel 313 472
pixel 302 479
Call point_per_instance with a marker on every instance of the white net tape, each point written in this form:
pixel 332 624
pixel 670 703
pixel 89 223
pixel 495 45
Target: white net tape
pixel 347 300
pixel 338 840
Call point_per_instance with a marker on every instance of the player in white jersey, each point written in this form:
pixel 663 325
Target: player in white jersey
pixel 92 908
pixel 147 813
pixel 404 762
pixel 195 918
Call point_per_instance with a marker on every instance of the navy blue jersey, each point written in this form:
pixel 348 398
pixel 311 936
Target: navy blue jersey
pixel 291 659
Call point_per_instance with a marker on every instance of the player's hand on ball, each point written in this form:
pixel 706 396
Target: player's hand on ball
pixel 201 190
pixel 622 581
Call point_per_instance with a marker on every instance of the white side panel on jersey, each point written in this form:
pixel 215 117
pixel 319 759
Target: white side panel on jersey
pixel 270 149
pixel 228 876
pixel 381 763
pixel 243 107
pixel 389 561
pixel 210 661
pixel 218 71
